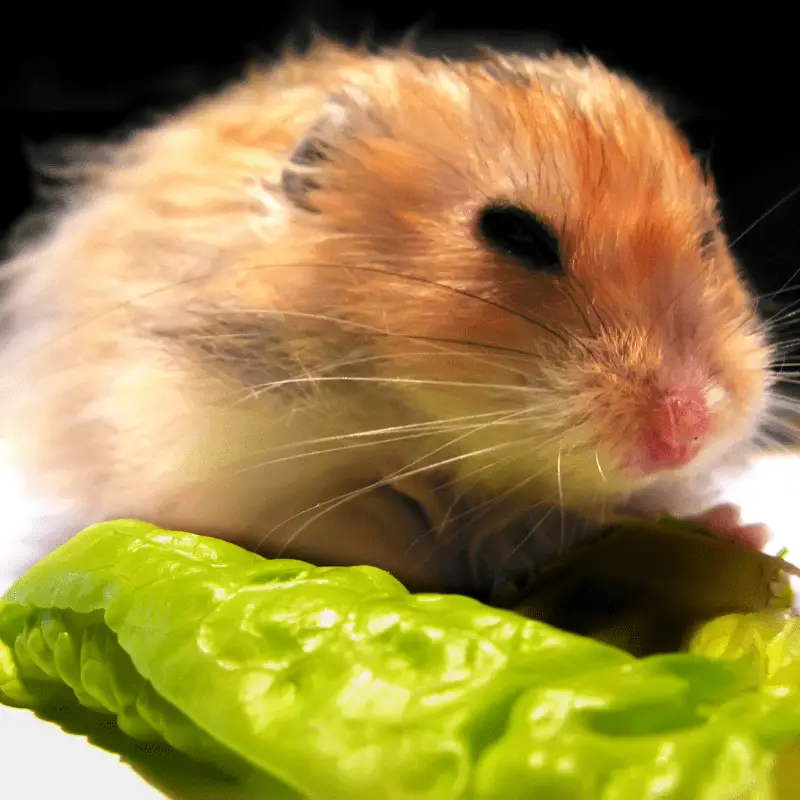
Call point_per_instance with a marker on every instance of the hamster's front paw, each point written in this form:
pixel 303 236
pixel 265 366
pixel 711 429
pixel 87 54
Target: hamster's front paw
pixel 725 520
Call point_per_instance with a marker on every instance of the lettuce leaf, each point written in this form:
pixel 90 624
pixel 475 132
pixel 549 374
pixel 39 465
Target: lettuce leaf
pixel 337 683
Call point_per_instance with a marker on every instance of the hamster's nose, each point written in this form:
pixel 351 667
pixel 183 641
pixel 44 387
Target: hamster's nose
pixel 675 428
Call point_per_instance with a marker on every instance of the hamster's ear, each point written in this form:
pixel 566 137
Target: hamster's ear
pixel 342 116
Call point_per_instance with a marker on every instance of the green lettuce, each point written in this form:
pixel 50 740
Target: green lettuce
pixel 332 683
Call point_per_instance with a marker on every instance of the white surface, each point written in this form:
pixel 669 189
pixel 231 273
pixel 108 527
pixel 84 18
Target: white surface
pixel 37 759
pixel 40 761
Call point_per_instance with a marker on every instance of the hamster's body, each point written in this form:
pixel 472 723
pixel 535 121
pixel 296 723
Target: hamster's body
pixel 284 316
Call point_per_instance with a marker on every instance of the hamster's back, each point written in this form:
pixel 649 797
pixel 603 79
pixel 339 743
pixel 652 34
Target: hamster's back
pixel 140 235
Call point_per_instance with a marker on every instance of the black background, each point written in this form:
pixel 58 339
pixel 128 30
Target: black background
pixel 733 80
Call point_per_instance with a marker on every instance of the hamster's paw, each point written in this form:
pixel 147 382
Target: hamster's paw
pixel 725 520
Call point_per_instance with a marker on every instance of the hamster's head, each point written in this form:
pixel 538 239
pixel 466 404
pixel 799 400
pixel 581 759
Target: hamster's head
pixel 527 251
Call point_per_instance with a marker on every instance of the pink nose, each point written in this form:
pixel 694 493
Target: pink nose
pixel 675 428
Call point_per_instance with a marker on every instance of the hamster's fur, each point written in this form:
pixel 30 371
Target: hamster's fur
pixel 283 316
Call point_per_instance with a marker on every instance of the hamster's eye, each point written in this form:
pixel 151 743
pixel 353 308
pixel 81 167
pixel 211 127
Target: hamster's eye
pixel 520 234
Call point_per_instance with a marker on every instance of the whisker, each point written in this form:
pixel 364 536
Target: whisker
pixel 359 445
pixel 383 482
pixel 597 461
pixel 789 379
pixel 484 508
pixel 400 474
pixel 781 429
pixel 439 340
pixel 786 286
pixel 245 268
pixel 786 343
pixel 495 498
pixel 779 408
pixel 785 401
pixel 580 284
pixel 525 358
pixel 491 502
pixel 772 209
pixel 528 536
pixel 353 446
pixel 446 287
pixel 784 314
pixel 373 331
pixel 441 351
pixel 579 308
pixel 777 428
pixel 263 388
pixel 414 426
pixel 769 445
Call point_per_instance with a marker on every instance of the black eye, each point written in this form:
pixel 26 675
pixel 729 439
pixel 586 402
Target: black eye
pixel 520 234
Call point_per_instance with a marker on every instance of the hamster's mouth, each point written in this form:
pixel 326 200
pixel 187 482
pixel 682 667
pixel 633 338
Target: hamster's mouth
pixel 657 458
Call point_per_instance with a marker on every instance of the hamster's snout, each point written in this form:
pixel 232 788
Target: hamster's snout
pixel 674 429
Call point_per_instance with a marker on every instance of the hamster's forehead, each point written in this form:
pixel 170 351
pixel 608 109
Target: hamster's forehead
pixel 576 143
pixel 569 126
pixel 584 83
pixel 610 105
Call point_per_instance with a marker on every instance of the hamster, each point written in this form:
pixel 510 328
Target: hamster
pixel 445 318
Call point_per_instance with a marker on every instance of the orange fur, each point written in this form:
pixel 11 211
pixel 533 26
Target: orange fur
pixel 183 281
